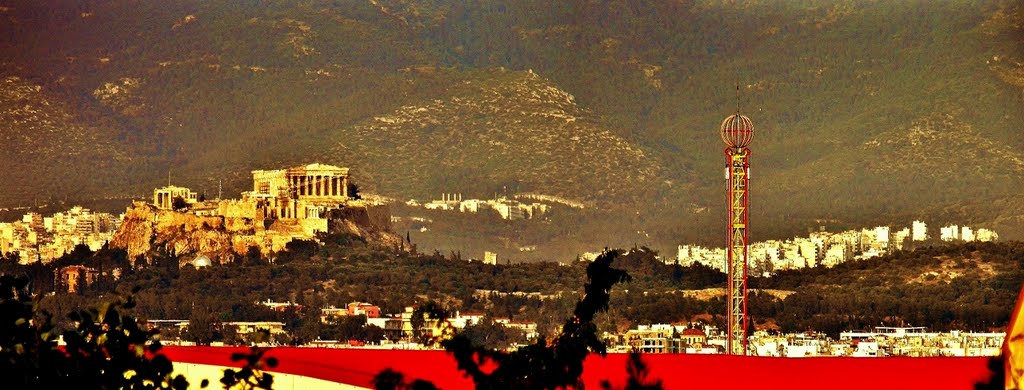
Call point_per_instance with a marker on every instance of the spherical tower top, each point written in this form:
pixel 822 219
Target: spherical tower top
pixel 737 131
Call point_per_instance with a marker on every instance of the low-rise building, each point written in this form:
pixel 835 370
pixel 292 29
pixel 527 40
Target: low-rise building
pixel 73 278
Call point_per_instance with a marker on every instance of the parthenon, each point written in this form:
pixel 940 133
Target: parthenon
pixel 302 192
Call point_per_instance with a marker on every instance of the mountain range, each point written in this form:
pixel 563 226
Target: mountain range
pixel 866 112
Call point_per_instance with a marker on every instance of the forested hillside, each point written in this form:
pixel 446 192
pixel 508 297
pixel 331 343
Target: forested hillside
pixel 970 286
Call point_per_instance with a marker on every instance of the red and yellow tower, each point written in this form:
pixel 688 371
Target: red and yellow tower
pixel 737 132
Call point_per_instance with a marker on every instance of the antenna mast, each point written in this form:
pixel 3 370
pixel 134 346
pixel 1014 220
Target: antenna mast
pixel 737 95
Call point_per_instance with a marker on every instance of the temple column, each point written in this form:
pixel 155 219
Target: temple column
pixel 344 186
pixel 334 186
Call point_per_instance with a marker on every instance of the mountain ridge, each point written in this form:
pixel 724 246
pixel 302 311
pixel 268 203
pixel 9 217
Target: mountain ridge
pixel 210 91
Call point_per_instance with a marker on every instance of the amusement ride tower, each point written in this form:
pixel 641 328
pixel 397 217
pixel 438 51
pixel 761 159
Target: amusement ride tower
pixel 737 132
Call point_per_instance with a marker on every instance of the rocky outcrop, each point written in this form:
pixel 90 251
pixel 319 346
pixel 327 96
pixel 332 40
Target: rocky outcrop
pixel 147 230
pixel 372 222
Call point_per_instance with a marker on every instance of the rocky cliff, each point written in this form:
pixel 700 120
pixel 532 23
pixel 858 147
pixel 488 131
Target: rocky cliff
pixel 372 222
pixel 147 231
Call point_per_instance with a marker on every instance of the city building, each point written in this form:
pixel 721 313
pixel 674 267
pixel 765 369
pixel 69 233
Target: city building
pixel 331 313
pixel 75 277
pixel 44 239
pixel 919 231
pixel 882 237
pixel 949 233
pixel 986 235
pixel 966 233
pixel 246 327
pixel 509 209
pixel 824 248
pixel 364 309
pixel 281 306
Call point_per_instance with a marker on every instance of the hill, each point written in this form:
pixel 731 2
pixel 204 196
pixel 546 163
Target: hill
pixel 963 286
pixel 968 286
pixel 614 102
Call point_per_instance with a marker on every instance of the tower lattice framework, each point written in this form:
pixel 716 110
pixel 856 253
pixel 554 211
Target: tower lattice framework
pixel 738 239
pixel 737 131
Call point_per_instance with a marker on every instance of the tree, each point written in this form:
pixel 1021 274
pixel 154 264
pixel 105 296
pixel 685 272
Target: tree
pixel 251 375
pixel 179 204
pixel 393 380
pixel 492 335
pixel 353 191
pixel 200 327
pixel 543 365
pixel 373 334
pixel 107 349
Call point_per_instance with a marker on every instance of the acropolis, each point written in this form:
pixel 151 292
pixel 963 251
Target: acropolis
pixel 283 205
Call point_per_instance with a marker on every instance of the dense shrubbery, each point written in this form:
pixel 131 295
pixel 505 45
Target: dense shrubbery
pixel 106 347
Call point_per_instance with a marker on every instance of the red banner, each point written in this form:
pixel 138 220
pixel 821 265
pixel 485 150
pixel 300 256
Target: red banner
pixel 358 367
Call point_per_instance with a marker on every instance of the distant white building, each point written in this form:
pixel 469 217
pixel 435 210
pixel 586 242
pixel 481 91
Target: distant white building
pixel 836 254
pixel 985 235
pixel 809 251
pixel 899 238
pixel 966 233
pixel 918 231
pixel 949 233
pixel 882 235
pixel 490 258
pixel 470 206
pixel 683 255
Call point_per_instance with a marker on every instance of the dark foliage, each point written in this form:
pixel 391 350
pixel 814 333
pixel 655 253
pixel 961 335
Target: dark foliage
pixel 637 372
pixel 106 349
pixel 179 204
pixel 492 335
pixel 997 376
pixel 543 365
pixel 353 191
pixel 251 375
pixel 393 380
